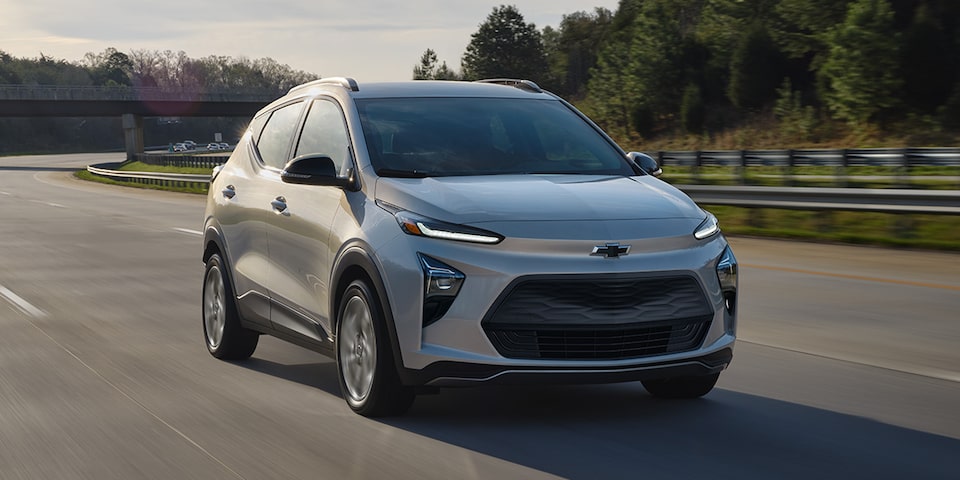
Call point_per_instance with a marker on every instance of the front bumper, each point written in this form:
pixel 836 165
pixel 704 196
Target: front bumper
pixel 457 374
pixel 457 349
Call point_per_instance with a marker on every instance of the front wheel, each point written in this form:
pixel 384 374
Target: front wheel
pixel 681 387
pixel 226 339
pixel 367 371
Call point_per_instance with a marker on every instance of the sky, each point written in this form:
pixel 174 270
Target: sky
pixel 370 40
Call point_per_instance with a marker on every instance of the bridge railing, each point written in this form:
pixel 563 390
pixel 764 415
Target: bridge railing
pixel 127 93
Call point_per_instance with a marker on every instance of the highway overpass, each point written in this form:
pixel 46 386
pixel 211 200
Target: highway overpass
pixel 130 103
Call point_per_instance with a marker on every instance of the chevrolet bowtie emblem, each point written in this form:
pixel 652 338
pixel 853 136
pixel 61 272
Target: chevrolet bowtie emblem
pixel 611 250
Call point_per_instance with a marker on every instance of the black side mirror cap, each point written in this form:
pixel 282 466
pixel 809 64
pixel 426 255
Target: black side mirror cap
pixel 314 170
pixel 646 163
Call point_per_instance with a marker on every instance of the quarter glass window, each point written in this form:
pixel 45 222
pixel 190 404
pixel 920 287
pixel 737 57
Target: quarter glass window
pixel 274 144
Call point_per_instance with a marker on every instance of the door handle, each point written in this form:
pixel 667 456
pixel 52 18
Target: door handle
pixel 230 191
pixel 279 204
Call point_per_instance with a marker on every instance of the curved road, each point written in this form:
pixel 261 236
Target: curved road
pixel 848 367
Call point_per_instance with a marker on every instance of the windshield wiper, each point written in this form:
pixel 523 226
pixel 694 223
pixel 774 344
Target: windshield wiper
pixel 392 172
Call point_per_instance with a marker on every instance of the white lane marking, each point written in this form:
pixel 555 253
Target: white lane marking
pixel 20 303
pixel 49 204
pixel 5 193
pixel 188 231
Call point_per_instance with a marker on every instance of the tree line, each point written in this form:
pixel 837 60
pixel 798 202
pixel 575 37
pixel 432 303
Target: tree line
pixel 138 68
pixel 810 70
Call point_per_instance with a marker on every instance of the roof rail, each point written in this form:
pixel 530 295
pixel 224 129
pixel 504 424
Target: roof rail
pixel 345 82
pixel 513 82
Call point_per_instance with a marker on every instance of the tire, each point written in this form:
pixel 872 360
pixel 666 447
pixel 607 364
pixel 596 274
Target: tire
pixel 365 363
pixel 225 337
pixel 681 387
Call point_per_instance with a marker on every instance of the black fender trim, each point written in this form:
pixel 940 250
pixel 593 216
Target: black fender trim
pixel 355 254
pixel 212 234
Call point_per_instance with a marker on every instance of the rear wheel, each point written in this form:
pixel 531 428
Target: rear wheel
pixel 681 387
pixel 226 339
pixel 367 369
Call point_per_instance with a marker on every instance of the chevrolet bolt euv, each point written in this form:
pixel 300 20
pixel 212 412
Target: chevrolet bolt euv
pixel 437 234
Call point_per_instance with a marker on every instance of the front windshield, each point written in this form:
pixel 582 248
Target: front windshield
pixel 419 137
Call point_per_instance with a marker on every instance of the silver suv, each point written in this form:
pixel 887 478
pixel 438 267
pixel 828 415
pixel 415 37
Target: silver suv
pixel 431 234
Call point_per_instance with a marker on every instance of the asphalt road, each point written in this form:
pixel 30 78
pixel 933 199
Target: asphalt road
pixel 848 366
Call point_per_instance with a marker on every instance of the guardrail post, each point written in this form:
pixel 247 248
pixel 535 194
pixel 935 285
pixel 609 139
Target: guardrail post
pixel 903 171
pixel 697 163
pixel 789 181
pixel 840 177
pixel 742 173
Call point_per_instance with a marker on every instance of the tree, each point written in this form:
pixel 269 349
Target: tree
pixel 429 70
pixel 109 67
pixel 803 25
pixel 862 65
pixel 7 73
pixel 929 62
pixel 755 70
pixel 427 67
pixel 691 109
pixel 505 46
pixel 574 48
pixel 647 64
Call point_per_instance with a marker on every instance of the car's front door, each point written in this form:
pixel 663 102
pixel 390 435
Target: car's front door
pixel 300 251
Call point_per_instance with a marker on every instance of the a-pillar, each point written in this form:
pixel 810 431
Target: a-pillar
pixel 133 134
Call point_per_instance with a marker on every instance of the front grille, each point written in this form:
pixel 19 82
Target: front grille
pixel 622 341
pixel 610 317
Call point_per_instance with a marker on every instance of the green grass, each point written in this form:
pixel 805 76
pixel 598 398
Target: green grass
pixel 145 167
pixel 185 188
pixel 936 232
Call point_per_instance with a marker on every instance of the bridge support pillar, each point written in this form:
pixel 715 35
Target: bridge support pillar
pixel 133 134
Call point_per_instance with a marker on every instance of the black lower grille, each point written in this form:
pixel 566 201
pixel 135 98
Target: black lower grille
pixel 599 342
pixel 607 317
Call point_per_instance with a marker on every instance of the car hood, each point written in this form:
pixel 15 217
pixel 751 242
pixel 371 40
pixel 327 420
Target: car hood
pixel 538 198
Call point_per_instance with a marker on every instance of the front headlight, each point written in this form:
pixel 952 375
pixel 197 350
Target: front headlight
pixel 418 225
pixel 708 228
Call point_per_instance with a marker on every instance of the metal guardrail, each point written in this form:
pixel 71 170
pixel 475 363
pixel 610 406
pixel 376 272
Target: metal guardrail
pixel 182 160
pixel 942 202
pixel 106 170
pixel 897 166
pixel 852 157
pixel 887 200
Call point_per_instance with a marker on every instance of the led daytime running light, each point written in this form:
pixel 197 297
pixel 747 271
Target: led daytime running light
pixel 448 235
pixel 708 228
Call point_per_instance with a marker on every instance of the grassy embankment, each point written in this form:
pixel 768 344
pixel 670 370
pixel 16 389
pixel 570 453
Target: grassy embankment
pixel 143 167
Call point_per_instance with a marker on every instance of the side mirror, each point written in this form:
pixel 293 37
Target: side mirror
pixel 314 170
pixel 646 163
